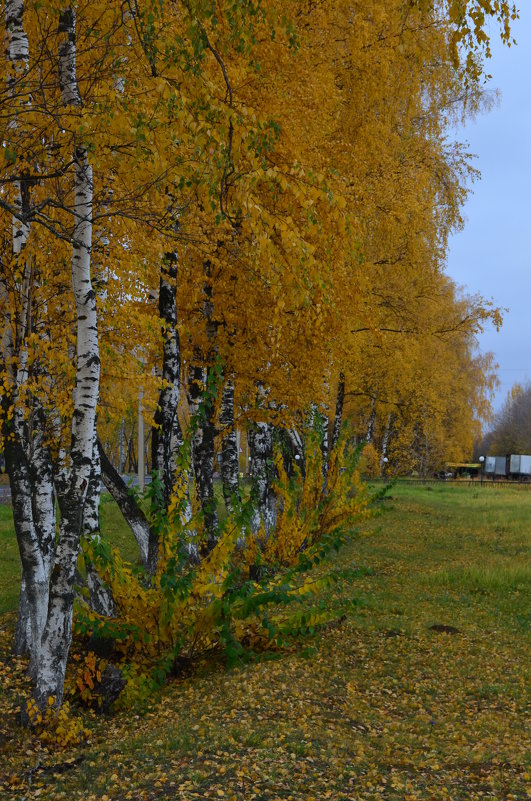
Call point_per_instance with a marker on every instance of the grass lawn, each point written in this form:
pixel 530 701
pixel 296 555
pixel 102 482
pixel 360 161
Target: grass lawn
pixel 421 693
pixel 111 521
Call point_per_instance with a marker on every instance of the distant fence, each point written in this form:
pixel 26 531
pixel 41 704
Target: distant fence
pixel 457 482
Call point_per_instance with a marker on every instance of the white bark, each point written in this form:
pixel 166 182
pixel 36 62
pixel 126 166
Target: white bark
pixel 34 602
pixel 319 423
pixel 372 420
pixel 100 596
pixel 297 445
pixel 338 417
pixel 121 448
pixel 17 54
pixel 17 48
pixel 260 437
pixel 385 439
pixel 30 623
pixel 203 453
pixel 58 630
pixel 31 487
pixel 67 59
pixel 167 437
pixel 44 523
pixel 91 509
pixel 201 406
pixel 229 448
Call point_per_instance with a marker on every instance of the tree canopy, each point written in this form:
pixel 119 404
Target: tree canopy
pixel 511 428
pixel 240 209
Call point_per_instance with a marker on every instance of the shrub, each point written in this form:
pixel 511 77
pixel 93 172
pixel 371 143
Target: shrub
pixel 187 609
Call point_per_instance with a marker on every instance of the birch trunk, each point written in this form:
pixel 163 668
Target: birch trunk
pixel 121 448
pixel 338 417
pixel 292 447
pixel 260 437
pixel 202 410
pixel 133 515
pixel 17 52
pixel 167 436
pixel 324 442
pixel 319 424
pixel 297 445
pixel 35 574
pixel 229 449
pixel 42 492
pixel 100 596
pixel 385 440
pixel 372 420
pixel 91 509
pixel 57 634
pixel 31 488
pixel 203 454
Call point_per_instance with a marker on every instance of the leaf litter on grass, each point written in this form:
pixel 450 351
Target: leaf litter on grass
pixel 422 713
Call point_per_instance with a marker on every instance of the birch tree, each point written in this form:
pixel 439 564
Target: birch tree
pixel 57 634
pixel 27 456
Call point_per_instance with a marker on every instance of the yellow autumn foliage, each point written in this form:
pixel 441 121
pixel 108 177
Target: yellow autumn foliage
pixel 188 609
pixel 312 508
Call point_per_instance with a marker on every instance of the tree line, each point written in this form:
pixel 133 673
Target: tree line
pixel 510 431
pixel 241 209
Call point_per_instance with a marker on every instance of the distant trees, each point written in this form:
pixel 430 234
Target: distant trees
pixel 511 432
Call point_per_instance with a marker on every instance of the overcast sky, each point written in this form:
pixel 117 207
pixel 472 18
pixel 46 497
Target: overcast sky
pixel 492 255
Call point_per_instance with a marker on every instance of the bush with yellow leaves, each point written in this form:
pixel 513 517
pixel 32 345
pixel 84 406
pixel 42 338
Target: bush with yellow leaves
pixel 177 612
pixel 312 507
pixel 56 727
pixel 87 679
pixel 187 609
pixel 370 461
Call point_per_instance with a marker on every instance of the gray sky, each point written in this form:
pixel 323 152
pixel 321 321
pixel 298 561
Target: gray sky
pixel 492 255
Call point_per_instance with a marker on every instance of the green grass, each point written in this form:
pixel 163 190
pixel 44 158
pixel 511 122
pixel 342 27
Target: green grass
pixel 9 562
pixel 421 694
pixel 111 521
pixel 500 580
pixel 112 524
